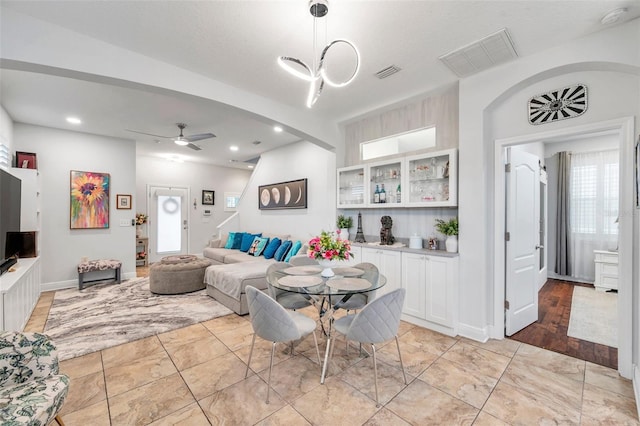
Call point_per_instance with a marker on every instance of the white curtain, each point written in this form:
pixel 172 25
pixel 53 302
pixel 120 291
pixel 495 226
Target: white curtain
pixel 593 209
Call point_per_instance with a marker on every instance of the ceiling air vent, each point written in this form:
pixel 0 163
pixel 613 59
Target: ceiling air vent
pixel 388 71
pixel 481 55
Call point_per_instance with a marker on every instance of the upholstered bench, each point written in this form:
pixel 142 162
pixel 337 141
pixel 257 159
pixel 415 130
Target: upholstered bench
pixel 177 274
pixel 98 265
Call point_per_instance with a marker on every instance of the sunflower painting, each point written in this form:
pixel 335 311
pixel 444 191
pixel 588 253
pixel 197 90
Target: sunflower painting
pixel 89 200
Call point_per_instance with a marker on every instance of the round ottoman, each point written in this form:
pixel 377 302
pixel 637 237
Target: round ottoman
pixel 177 274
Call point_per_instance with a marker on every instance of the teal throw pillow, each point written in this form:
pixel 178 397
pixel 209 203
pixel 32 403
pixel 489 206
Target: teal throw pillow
pixel 262 243
pixel 229 244
pixel 270 249
pixel 295 248
pixel 282 250
pixel 237 240
pixel 247 240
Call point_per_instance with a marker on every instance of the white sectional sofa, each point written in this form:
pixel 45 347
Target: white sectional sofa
pixel 233 269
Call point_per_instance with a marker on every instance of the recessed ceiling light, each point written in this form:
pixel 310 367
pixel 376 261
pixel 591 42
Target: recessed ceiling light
pixel 277 129
pixel 74 120
pixel 250 166
pixel 233 148
pixel 613 16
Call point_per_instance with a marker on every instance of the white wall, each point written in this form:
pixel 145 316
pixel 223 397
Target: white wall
pixel 59 152
pixel 612 53
pixel 196 177
pixel 296 161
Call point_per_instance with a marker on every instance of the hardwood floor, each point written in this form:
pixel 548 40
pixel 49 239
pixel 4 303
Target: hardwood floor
pixel 550 331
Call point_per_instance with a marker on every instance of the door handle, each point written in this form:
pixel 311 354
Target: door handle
pixel 539 247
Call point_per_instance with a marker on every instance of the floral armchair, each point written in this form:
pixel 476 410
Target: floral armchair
pixel 31 389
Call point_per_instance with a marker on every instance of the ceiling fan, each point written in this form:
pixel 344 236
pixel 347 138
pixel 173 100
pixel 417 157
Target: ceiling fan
pixel 181 139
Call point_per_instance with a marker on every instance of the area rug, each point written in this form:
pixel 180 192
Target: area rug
pixel 594 316
pixel 107 315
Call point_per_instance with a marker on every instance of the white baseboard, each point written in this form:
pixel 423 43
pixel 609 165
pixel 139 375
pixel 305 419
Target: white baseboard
pixel 473 333
pixel 61 285
pixel 636 386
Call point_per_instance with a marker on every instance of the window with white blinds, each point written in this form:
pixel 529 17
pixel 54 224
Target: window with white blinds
pixel 594 193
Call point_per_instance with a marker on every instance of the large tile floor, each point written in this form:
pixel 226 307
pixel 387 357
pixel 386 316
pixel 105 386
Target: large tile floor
pixel 195 376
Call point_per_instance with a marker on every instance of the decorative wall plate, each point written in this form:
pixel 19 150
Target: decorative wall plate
pixel 560 104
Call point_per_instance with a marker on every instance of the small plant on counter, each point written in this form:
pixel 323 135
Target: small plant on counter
pixel 344 222
pixel 448 228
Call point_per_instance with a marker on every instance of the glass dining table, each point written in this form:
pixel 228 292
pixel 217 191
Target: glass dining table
pixel 327 294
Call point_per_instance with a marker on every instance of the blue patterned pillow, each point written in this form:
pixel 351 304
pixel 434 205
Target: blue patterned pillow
pixel 229 244
pixel 247 240
pixel 282 251
pixel 262 243
pixel 294 250
pixel 271 248
pixel 237 240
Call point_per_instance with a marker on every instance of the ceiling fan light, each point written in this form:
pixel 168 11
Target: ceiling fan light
pixel 181 142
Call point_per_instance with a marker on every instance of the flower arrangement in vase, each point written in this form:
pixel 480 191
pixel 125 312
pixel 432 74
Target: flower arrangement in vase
pixel 328 249
pixel 141 219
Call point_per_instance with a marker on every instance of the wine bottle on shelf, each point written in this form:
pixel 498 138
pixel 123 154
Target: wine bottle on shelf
pixel 376 195
pixel 398 195
pixel 383 195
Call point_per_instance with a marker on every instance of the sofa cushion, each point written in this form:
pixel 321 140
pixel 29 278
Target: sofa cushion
pixel 230 239
pixel 262 243
pixel 282 251
pixel 237 240
pixel 238 257
pixel 295 248
pixel 247 240
pixel 271 248
pixel 217 254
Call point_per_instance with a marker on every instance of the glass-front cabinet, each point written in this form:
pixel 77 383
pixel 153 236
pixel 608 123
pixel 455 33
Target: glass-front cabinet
pixel 385 184
pixel 431 179
pixel 424 180
pixel 351 187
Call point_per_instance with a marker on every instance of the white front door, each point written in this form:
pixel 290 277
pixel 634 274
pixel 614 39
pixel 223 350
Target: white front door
pixel 523 211
pixel 168 221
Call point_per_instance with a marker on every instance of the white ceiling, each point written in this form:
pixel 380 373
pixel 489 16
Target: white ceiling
pixel 237 42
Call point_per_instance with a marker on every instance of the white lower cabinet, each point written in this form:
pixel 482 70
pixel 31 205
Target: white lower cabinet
pixel 357 256
pixel 431 283
pixel 389 265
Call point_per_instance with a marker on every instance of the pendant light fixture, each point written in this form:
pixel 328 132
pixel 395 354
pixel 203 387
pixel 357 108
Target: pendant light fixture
pixel 316 74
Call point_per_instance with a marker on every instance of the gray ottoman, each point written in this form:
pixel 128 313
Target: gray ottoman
pixel 177 274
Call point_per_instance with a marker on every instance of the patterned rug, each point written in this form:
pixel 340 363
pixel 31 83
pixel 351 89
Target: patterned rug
pixel 106 315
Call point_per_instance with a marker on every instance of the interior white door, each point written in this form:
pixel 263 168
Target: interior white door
pixel 168 221
pixel 523 188
pixel 543 270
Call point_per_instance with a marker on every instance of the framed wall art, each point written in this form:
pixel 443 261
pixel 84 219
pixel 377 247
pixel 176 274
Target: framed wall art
pixel 283 195
pixel 123 202
pixel 89 200
pixel 208 197
pixel 26 160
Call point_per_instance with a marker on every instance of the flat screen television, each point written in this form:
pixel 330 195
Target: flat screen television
pixel 10 201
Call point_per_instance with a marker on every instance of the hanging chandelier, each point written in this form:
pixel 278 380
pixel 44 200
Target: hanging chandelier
pixel 316 74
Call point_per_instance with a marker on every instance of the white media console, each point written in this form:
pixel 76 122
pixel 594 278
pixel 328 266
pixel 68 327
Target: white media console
pixel 19 291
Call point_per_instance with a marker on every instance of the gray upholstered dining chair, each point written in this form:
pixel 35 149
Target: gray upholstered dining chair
pixel 377 322
pixel 302 261
pixel 358 301
pixel 274 323
pixel 287 299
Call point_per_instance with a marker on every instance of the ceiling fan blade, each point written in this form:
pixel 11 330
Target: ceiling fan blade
pixel 150 134
pixel 194 146
pixel 199 137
